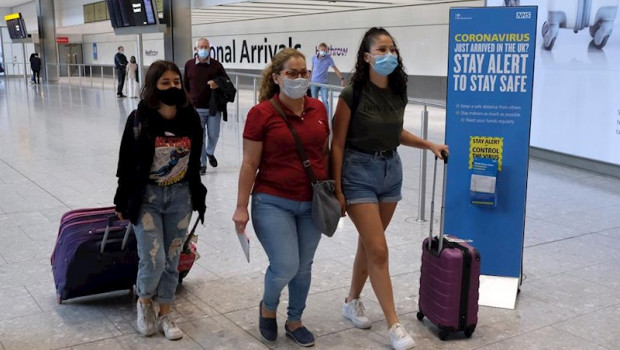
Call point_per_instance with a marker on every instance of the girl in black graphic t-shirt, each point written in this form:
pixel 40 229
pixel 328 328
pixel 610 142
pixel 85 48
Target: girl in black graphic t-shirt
pixel 158 188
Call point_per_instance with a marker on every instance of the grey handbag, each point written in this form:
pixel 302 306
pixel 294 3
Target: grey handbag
pixel 325 206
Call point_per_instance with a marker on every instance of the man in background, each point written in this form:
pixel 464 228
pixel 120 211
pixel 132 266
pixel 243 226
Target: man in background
pixel 199 76
pixel 35 65
pixel 320 67
pixel 120 64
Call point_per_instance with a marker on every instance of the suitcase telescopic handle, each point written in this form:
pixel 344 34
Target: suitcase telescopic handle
pixel 106 233
pixel 191 235
pixel 444 156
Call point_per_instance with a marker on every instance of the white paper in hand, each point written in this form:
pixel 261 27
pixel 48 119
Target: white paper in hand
pixel 244 240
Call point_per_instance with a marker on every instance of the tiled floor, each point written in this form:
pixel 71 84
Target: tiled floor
pixel 60 147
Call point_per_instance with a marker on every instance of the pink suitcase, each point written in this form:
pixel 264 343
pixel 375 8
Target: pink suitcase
pixel 449 278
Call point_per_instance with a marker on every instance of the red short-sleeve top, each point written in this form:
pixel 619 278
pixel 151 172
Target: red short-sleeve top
pixel 280 172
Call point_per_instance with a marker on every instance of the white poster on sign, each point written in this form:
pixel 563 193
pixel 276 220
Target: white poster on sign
pixel 576 107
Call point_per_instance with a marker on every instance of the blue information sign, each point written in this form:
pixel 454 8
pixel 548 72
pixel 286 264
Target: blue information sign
pixel 489 103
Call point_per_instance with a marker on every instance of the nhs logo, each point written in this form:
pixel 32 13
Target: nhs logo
pixel 524 15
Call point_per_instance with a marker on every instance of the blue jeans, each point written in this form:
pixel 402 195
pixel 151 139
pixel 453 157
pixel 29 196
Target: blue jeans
pixel 286 231
pixel 162 226
pixel 210 132
pixel 314 91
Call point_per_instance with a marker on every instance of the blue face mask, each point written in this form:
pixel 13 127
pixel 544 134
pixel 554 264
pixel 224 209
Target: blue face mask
pixel 321 53
pixel 203 53
pixel 385 64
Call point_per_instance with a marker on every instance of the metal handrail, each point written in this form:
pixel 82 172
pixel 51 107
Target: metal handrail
pixel 82 72
pixel 425 103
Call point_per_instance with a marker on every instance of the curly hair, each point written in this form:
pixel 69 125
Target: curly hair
pixel 268 88
pixel 397 80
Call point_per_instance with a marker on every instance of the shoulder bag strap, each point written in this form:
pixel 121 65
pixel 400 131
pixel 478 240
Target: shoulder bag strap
pixel 300 148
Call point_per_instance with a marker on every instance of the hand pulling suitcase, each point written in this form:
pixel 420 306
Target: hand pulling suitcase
pixel 449 277
pixel 599 15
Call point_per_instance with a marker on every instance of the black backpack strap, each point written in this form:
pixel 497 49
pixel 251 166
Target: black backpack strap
pixel 357 94
pixel 137 125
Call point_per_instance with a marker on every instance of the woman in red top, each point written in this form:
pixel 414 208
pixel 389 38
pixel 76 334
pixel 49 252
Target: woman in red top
pixel 281 191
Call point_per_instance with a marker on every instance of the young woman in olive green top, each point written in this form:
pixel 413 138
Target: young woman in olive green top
pixel 368 170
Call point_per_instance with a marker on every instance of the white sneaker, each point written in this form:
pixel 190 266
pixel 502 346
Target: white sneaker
pixel 399 338
pixel 146 319
pixel 169 328
pixel 354 311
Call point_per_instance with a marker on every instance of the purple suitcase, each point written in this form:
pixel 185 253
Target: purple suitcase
pixel 94 253
pixel 80 215
pixel 449 278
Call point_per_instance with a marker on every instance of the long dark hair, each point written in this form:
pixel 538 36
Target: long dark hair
pixel 155 71
pixel 397 80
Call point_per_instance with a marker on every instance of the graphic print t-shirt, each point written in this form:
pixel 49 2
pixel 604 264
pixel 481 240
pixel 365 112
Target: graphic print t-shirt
pixel 171 159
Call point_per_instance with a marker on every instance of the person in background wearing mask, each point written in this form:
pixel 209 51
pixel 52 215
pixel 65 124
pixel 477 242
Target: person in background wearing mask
pixel 158 188
pixel 199 75
pixel 281 191
pixel 132 77
pixel 320 67
pixel 368 170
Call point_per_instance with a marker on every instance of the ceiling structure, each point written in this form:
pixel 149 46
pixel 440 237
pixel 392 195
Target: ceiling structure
pixel 11 3
pixel 216 11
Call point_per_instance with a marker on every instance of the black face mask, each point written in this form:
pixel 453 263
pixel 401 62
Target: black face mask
pixel 171 97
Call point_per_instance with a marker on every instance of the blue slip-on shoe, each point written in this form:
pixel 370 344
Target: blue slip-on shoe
pixel 302 336
pixel 268 327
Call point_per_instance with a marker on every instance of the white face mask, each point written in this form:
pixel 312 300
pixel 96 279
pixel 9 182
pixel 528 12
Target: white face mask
pixel 294 88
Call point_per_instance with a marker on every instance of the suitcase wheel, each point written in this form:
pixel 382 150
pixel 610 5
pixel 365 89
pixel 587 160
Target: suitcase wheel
pixel 420 316
pixel 600 33
pixel 602 44
pixel 593 30
pixel 443 334
pixel 469 331
pixel 549 33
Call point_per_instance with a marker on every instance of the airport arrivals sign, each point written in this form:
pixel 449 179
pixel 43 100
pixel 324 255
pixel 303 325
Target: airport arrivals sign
pixel 240 51
pixel 256 51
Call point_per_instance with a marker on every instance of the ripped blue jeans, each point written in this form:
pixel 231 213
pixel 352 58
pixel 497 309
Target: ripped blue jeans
pixel 162 226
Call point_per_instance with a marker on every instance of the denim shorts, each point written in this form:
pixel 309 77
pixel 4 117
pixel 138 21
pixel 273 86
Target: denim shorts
pixel 368 178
